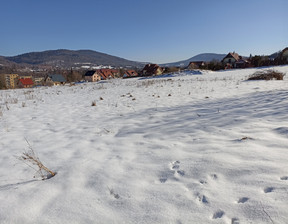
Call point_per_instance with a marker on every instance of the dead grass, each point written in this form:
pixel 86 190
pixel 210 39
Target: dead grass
pixel 93 104
pixel 32 160
pixel 267 75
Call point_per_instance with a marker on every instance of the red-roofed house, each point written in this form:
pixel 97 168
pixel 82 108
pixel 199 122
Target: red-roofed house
pixel 130 74
pixel 25 83
pixel 152 69
pixel 233 60
pixel 101 74
pixel 108 73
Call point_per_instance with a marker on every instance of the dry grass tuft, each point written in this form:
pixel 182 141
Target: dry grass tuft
pixel 267 75
pixel 32 160
pixel 93 104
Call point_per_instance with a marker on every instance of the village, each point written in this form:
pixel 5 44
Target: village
pixel 231 61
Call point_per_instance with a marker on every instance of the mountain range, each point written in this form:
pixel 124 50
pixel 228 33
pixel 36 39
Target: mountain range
pixel 200 57
pixel 87 58
pixel 67 59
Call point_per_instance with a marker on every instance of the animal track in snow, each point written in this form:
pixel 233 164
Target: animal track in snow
pixel 202 198
pixel 284 178
pixel 235 221
pixel 268 189
pixel 218 214
pixel 243 200
pixel 116 196
pixel 163 180
pixel 173 173
pixel 203 182
pixel 175 166
pixel 214 176
pixel 181 172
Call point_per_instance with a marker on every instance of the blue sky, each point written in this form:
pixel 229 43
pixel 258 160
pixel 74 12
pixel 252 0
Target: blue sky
pixel 152 30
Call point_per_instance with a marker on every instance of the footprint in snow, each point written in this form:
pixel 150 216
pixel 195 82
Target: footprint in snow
pixel 202 198
pixel 235 221
pixel 112 193
pixel 284 178
pixel 175 166
pixel 203 182
pixel 242 200
pixel 163 180
pixel 268 189
pixel 214 176
pixel 174 170
pixel 211 176
pixel 181 172
pixel 218 214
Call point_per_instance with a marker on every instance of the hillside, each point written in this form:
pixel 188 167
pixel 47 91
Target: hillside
pixel 88 59
pixel 200 57
pixel 183 148
pixel 70 58
pixel 5 62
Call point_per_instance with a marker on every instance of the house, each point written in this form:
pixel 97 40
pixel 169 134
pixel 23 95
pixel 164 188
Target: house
pixel 92 76
pixel 108 73
pixel 55 79
pixel 130 74
pixel 25 76
pixel 233 60
pixel 242 63
pixel 101 74
pixel 152 69
pixel 25 82
pixel 38 81
pixel 9 80
pixel 284 55
pixel 196 65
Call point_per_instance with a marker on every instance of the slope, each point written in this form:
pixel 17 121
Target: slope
pixel 200 57
pixel 69 58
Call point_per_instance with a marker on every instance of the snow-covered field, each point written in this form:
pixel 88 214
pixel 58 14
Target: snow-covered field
pixel 207 148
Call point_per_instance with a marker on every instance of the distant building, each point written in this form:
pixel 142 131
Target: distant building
pixel 108 73
pixel 9 80
pixel 284 55
pixel 196 64
pixel 55 79
pixel 38 81
pixel 92 76
pixel 130 74
pixel 25 76
pixel 101 74
pixel 25 83
pixel 152 69
pixel 233 60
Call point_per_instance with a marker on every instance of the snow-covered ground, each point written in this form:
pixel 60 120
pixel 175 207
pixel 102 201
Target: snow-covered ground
pixel 206 148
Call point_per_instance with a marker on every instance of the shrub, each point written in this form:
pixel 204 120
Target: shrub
pixel 32 160
pixel 267 75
